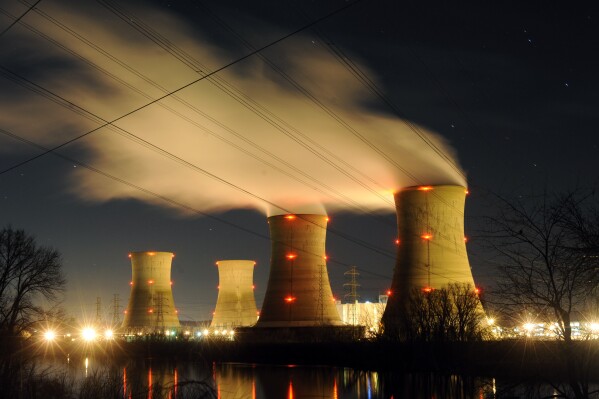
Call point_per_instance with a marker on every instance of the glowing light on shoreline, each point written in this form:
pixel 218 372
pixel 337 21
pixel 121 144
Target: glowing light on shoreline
pixel 88 334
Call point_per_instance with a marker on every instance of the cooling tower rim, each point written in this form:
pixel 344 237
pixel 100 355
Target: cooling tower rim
pixel 423 187
pixel 298 215
pixel 235 260
pixel 151 253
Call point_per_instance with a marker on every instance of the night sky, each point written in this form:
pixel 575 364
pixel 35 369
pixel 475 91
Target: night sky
pixel 506 92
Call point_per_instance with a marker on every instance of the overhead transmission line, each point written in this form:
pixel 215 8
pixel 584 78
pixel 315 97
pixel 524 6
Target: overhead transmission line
pixel 107 123
pixel 171 201
pixel 343 197
pixel 16 20
pixel 243 99
pixel 193 210
pixel 356 71
pixel 363 78
pixel 93 117
pixel 205 76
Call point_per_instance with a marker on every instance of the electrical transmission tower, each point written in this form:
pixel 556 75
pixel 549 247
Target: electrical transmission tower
pixel 116 307
pixel 160 311
pixel 98 310
pixel 352 294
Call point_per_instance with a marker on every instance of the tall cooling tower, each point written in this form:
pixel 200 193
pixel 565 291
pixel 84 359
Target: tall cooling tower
pixel 235 305
pixel 151 306
pixel 431 244
pixel 298 292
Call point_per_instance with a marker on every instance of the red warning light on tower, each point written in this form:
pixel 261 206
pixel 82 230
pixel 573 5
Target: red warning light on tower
pixel 427 236
pixel 425 188
pixel 289 299
pixel 290 217
pixel 291 256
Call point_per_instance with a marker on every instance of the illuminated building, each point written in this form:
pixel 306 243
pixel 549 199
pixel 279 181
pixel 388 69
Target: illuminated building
pixel 151 305
pixel 298 293
pixel 366 314
pixel 235 305
pixel 431 251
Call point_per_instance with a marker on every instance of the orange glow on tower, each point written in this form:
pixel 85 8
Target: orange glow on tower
pixel 427 236
pixel 425 188
pixel 291 256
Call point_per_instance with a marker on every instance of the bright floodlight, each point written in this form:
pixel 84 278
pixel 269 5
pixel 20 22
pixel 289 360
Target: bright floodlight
pixel 594 327
pixel 529 327
pixel 108 334
pixel 88 334
pixel 490 321
pixel 49 335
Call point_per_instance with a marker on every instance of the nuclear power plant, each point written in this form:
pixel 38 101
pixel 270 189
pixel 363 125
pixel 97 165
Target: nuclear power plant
pixel 298 293
pixel 431 245
pixel 151 306
pixel 235 305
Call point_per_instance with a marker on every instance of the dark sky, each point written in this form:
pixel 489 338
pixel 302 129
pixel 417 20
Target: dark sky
pixel 508 90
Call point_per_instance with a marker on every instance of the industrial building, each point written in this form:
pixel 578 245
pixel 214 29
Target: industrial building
pixel 431 250
pixel 367 314
pixel 298 293
pixel 151 305
pixel 235 305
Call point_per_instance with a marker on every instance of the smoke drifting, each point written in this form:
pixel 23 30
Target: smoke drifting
pixel 246 139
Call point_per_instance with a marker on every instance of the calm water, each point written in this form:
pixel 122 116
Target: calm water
pixel 247 381
pixel 153 380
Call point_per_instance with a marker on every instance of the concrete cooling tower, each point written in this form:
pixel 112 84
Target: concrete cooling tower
pixel 236 305
pixel 298 292
pixel 431 244
pixel 151 306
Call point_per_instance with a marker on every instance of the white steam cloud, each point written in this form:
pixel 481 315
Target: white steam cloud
pixel 280 152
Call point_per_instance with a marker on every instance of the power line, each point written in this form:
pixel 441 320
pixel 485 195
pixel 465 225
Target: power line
pixel 185 86
pixel 172 201
pixel 184 117
pixel 19 18
pixel 106 123
pixel 246 101
pixel 81 111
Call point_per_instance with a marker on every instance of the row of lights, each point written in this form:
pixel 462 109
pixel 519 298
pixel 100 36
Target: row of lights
pixel 88 334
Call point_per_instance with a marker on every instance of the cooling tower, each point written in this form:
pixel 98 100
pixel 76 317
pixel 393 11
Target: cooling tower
pixel 298 292
pixel 431 244
pixel 235 305
pixel 151 306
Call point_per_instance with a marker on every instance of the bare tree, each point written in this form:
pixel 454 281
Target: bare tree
pixel 547 255
pixel 30 276
pixel 545 263
pixel 453 313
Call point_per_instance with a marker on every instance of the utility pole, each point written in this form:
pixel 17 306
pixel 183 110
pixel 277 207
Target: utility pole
pixel 352 295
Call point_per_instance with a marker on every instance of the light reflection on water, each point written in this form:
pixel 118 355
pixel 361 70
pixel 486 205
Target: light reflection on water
pixel 153 379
